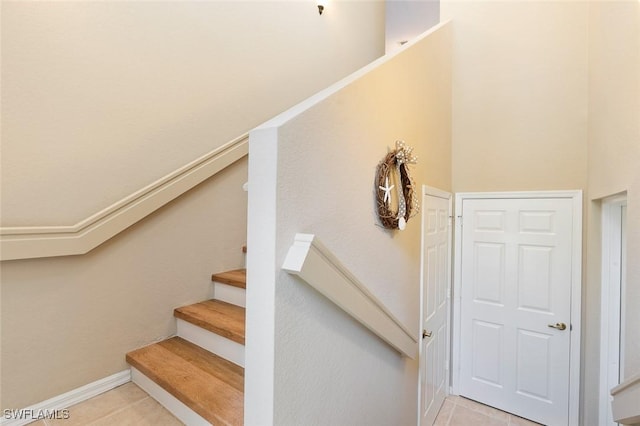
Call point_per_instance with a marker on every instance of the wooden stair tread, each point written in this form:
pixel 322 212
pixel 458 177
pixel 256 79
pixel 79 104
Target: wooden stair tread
pixel 217 316
pixel 236 278
pixel 211 386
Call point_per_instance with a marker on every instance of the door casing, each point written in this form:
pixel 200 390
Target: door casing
pixel 612 299
pixel 576 286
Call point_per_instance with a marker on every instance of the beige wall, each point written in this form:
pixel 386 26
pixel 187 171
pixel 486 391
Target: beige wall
pixel 546 96
pixel 102 98
pixel 329 368
pixel 519 94
pixel 68 321
pixel 521 110
pixel 614 157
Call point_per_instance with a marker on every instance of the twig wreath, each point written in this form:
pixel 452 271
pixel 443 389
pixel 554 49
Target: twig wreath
pixel 395 166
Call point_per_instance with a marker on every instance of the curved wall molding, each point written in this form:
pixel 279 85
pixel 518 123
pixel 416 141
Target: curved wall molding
pixel 310 260
pixel 48 241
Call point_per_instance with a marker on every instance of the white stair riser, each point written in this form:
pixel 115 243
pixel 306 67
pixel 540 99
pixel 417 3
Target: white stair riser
pixel 214 343
pixel 230 294
pixel 185 414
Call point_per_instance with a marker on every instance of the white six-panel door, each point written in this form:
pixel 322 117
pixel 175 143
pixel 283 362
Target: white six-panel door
pixel 435 305
pixel 515 302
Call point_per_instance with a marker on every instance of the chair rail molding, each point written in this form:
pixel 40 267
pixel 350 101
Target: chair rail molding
pixel 48 241
pixel 310 260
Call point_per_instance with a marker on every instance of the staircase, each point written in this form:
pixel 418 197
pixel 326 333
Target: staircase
pixel 198 375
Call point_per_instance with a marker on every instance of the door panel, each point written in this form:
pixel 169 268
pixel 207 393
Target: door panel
pixel 489 273
pixel 435 307
pixel 515 282
pixel 533 353
pixel 534 278
pixel 486 343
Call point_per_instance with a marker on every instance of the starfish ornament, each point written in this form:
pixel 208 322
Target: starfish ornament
pixel 387 190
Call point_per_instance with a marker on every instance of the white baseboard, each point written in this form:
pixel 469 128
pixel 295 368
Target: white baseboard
pixel 67 399
pixel 214 343
pixel 168 401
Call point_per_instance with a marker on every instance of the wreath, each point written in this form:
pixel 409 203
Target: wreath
pixel 395 165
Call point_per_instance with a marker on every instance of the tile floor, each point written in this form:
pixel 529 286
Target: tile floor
pixel 128 405
pixel 459 411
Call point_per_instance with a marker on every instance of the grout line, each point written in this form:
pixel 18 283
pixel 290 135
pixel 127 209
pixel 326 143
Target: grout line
pixel 451 414
pixel 454 403
pixel 119 410
pixel 475 408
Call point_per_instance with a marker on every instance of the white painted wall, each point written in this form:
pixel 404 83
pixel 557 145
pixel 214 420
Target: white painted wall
pixel 407 19
pixel 324 367
pixel 546 96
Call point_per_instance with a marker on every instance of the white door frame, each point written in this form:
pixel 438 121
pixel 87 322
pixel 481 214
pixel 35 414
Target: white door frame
pixel 434 192
pixel 576 287
pixel 612 298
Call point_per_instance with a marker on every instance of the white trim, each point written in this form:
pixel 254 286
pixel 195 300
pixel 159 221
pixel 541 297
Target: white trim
pixel 73 397
pixel 230 294
pixel 517 194
pixel 625 401
pixel 575 358
pixel 303 106
pixel 457 287
pixel 317 266
pixel 46 241
pixel 611 301
pixel 434 192
pixel 576 287
pixel 214 343
pixel 623 290
pixel 259 378
pixel 168 401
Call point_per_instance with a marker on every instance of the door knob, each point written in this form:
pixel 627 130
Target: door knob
pixel 559 326
pixel 426 333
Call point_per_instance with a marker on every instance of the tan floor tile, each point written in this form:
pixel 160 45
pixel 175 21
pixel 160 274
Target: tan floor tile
pixel 484 409
pixel 453 398
pixel 37 423
pixel 458 410
pixel 445 412
pixel 519 421
pixel 144 413
pixel 463 416
pixel 102 405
